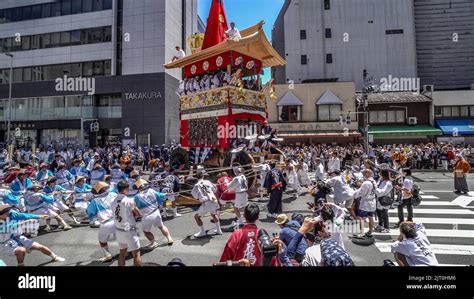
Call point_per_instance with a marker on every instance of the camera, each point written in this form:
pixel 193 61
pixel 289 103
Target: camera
pixel 269 250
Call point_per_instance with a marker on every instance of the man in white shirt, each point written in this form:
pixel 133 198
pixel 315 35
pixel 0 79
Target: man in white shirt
pixel 368 204
pixel 240 185
pixel 204 191
pixel 233 33
pixel 179 54
pixel 413 247
pixel 125 211
pixel 334 163
pixel 342 191
pixel 319 170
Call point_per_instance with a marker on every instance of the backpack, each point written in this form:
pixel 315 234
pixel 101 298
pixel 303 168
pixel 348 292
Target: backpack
pixel 416 197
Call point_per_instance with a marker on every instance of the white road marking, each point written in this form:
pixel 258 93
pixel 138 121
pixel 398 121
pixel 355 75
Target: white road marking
pixel 429 197
pixel 451 233
pixel 463 201
pixel 438 220
pixel 436 203
pixel 437 248
pixel 439 211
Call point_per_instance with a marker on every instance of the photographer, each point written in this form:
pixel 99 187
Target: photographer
pixel 289 230
pixel 326 253
pixel 245 244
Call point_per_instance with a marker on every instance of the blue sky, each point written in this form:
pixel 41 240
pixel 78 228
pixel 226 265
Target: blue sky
pixel 246 13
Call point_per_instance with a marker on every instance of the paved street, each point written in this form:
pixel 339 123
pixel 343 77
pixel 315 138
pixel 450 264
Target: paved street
pixel 449 227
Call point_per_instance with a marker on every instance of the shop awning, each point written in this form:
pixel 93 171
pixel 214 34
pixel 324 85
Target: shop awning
pixel 400 131
pixel 319 134
pixel 459 126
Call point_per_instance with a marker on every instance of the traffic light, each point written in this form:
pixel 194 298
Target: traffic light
pixel 95 127
pixel 348 120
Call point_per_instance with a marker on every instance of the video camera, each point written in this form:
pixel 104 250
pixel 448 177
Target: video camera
pixel 269 250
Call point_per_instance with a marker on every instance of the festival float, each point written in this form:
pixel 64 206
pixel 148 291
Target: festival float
pixel 221 94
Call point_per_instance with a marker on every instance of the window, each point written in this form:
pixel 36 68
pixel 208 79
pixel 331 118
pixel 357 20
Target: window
pixel 327 5
pixel 76 70
pixel 391 117
pixel 302 34
pixel 455 111
pixel 329 113
pixel 27 13
pixel 55 39
pixel 107 34
pixel 16 14
pixel 87 69
pixel 438 111
pixel 304 59
pixel 328 58
pixel 66 7
pixel 395 31
pixel 56 9
pixel 472 111
pixel 17 75
pixel 447 111
pixel 46 10
pixel 328 33
pixel 98 68
pixel 35 42
pixel 107 4
pixel 16 44
pixel 25 43
pixel 27 74
pixel 107 68
pixel 65 38
pixel 75 37
pixel 387 117
pixel 76 7
pixel 45 41
pixel 2 16
pixel 289 113
pixel 97 5
pixel 464 111
pixel 56 71
pixel 47 72
pixel 36 11
pixel 66 69
pixel 86 5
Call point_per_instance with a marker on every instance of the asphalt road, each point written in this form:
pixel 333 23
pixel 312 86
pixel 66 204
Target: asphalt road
pixel 450 230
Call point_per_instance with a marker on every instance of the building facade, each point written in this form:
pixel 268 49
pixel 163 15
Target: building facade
pixel 444 41
pixel 92 61
pixel 310 113
pixel 335 40
pixel 400 117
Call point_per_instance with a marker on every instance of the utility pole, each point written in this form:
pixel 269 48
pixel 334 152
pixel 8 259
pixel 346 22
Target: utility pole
pixel 365 107
pixel 10 97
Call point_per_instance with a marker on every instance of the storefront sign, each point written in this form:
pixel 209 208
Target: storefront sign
pixel 143 95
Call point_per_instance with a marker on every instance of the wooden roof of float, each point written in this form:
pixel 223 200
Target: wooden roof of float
pixel 253 43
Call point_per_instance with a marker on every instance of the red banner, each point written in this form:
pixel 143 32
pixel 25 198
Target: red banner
pixel 216 25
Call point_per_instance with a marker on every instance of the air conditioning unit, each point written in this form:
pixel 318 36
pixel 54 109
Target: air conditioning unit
pixel 428 88
pixel 412 121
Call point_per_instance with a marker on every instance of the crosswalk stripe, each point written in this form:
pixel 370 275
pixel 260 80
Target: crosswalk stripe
pixel 438 220
pixel 451 233
pixel 429 197
pixel 437 203
pixel 439 211
pixel 436 248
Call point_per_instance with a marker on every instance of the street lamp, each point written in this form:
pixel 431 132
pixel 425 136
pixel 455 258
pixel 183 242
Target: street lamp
pixel 10 97
pixel 406 111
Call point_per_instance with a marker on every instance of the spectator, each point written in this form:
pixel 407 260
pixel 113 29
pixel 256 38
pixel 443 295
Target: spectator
pixel 412 248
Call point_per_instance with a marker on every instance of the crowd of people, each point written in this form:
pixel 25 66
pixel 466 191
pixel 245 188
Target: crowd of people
pixel 113 188
pixel 417 156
